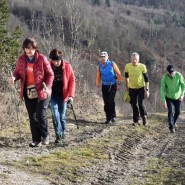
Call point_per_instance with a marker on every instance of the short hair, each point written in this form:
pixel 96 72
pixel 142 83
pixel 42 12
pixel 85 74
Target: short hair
pixel 56 54
pixel 134 55
pixel 29 42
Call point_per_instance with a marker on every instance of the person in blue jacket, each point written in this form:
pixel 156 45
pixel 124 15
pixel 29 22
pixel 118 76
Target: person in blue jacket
pixel 109 74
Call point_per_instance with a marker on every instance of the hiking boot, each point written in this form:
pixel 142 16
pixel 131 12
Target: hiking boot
pixel 45 141
pixel 172 130
pixel 145 120
pixel 35 144
pixel 135 124
pixel 175 126
pixel 57 141
pixel 113 120
pixel 107 121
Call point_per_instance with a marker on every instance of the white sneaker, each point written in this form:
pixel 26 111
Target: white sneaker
pixel 45 141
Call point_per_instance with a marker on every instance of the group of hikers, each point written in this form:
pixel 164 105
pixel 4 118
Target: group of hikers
pixel 44 83
pixel 172 89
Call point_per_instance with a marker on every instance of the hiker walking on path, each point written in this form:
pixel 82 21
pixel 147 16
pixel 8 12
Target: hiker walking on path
pixel 33 69
pixel 137 84
pixel 63 91
pixel 172 93
pixel 109 74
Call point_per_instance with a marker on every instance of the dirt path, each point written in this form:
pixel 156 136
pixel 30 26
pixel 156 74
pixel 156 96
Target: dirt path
pixel 127 160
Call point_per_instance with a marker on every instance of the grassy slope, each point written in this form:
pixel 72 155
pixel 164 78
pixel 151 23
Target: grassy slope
pixel 76 163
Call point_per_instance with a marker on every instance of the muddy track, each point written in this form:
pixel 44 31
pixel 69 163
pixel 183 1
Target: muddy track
pixel 118 165
pixel 126 160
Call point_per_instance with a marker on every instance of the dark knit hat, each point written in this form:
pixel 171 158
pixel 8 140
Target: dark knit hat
pixel 170 69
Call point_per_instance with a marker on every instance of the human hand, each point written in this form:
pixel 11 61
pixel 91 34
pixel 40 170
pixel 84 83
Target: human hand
pixel 147 94
pixel 181 98
pixel 46 89
pixel 165 105
pixel 118 87
pixel 97 90
pixel 127 88
pixel 11 80
pixel 70 100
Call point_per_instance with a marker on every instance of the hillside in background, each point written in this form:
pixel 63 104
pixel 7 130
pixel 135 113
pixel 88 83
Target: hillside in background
pixel 96 153
pixel 153 28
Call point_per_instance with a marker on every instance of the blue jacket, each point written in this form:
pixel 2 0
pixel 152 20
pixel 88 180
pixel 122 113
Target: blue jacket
pixel 108 76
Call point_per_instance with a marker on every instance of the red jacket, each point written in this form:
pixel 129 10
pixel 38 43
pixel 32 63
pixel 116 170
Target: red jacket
pixel 42 73
pixel 68 80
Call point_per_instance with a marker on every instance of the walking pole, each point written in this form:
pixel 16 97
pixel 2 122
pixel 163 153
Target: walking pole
pixel 70 106
pixel 17 103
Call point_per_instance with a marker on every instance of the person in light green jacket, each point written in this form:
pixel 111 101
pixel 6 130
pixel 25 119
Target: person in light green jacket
pixel 172 93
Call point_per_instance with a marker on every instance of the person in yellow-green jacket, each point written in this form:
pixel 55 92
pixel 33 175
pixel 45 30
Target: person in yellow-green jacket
pixel 109 74
pixel 172 93
pixel 137 84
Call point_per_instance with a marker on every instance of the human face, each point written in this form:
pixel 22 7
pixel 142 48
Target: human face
pixel 56 63
pixel 104 58
pixel 171 74
pixel 30 51
pixel 135 60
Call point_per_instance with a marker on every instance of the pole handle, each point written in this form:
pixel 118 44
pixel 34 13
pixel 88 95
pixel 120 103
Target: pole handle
pixel 44 85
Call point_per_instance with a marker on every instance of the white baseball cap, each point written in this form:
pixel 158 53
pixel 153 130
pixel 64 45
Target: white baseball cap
pixel 103 54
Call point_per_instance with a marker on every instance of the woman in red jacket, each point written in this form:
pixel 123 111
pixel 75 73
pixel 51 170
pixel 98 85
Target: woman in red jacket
pixel 63 90
pixel 34 70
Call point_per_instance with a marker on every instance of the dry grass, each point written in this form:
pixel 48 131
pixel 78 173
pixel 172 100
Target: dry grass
pixel 74 164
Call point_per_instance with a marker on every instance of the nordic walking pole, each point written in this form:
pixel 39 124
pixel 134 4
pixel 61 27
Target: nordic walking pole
pixel 16 108
pixel 70 105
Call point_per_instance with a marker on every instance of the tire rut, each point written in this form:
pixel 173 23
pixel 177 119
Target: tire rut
pixel 118 164
pixel 125 160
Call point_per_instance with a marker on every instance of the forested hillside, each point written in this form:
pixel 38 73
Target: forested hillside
pixel 95 153
pixel 155 29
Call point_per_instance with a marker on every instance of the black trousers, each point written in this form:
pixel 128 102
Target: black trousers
pixel 137 97
pixel 37 116
pixel 109 92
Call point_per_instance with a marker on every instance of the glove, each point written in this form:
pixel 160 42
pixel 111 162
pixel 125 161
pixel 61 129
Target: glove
pixel 97 90
pixel 118 87
pixel 70 100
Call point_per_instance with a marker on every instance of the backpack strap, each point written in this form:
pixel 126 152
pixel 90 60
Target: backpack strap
pixel 112 64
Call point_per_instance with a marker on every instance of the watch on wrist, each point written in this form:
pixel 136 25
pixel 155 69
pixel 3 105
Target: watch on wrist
pixel 147 89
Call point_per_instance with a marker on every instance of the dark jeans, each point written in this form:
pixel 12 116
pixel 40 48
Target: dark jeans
pixel 173 116
pixel 37 116
pixel 109 92
pixel 137 96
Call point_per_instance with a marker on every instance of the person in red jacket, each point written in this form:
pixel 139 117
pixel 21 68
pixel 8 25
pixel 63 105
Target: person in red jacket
pixel 63 90
pixel 34 70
